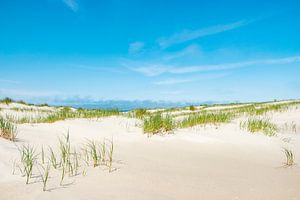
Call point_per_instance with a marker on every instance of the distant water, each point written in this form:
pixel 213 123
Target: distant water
pixel 130 105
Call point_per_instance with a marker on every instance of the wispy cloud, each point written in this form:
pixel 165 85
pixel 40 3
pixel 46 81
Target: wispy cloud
pixel 96 68
pixel 9 81
pixel 158 69
pixel 72 4
pixel 187 51
pixel 188 35
pixel 135 47
pixel 151 69
pixel 27 93
pixel 173 81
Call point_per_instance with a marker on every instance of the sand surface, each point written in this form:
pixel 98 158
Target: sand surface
pixel 209 162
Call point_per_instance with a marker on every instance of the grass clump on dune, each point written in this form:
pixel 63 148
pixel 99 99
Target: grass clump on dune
pixel 45 176
pixel 158 123
pixel 110 155
pixel 7 129
pixel 192 108
pixel 68 113
pixel 28 159
pixel 263 108
pixel 62 114
pixel 289 157
pixel 260 125
pixel 6 100
pixel 140 113
pixel 93 149
pixel 205 118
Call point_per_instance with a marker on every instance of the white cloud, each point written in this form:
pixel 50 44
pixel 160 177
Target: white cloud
pixel 72 4
pixel 188 35
pixel 158 69
pixel 135 47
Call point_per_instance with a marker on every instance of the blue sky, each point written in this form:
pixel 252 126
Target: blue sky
pixel 155 50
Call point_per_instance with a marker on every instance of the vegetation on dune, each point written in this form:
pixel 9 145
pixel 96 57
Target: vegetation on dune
pixel 7 129
pixel 31 110
pixel 61 114
pixel 43 105
pixel 140 113
pixel 260 125
pixel 67 113
pixel 192 108
pixel 290 127
pixel 158 123
pixel 262 108
pixel 153 123
pixel 289 157
pixel 94 153
pixel 45 175
pixel 110 155
pixel 68 160
pixel 206 118
pixel 28 159
pixel 6 100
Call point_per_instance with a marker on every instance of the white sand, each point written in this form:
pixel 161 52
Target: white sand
pixel 195 163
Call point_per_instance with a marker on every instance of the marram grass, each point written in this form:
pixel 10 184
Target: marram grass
pixel 140 113
pixel 69 161
pixel 44 174
pixel 289 155
pixel 158 123
pixel 93 150
pixel 206 118
pixel 67 113
pixel 260 125
pixel 45 116
pixel 7 129
pixel 28 160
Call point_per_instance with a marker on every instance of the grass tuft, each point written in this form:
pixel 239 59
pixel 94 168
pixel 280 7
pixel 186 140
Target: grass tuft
pixel 110 155
pixel 158 123
pixel 192 108
pixel 68 113
pixel 101 153
pixel 6 100
pixel 7 129
pixel 45 176
pixel 205 118
pixel 53 159
pixel 140 113
pixel 289 157
pixel 92 146
pixel 260 125
pixel 28 158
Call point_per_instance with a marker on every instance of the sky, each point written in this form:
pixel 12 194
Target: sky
pixel 192 50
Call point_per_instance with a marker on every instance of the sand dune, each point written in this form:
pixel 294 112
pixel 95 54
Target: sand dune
pixel 202 162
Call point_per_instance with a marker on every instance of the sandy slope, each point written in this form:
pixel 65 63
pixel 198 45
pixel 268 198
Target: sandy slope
pixel 195 163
